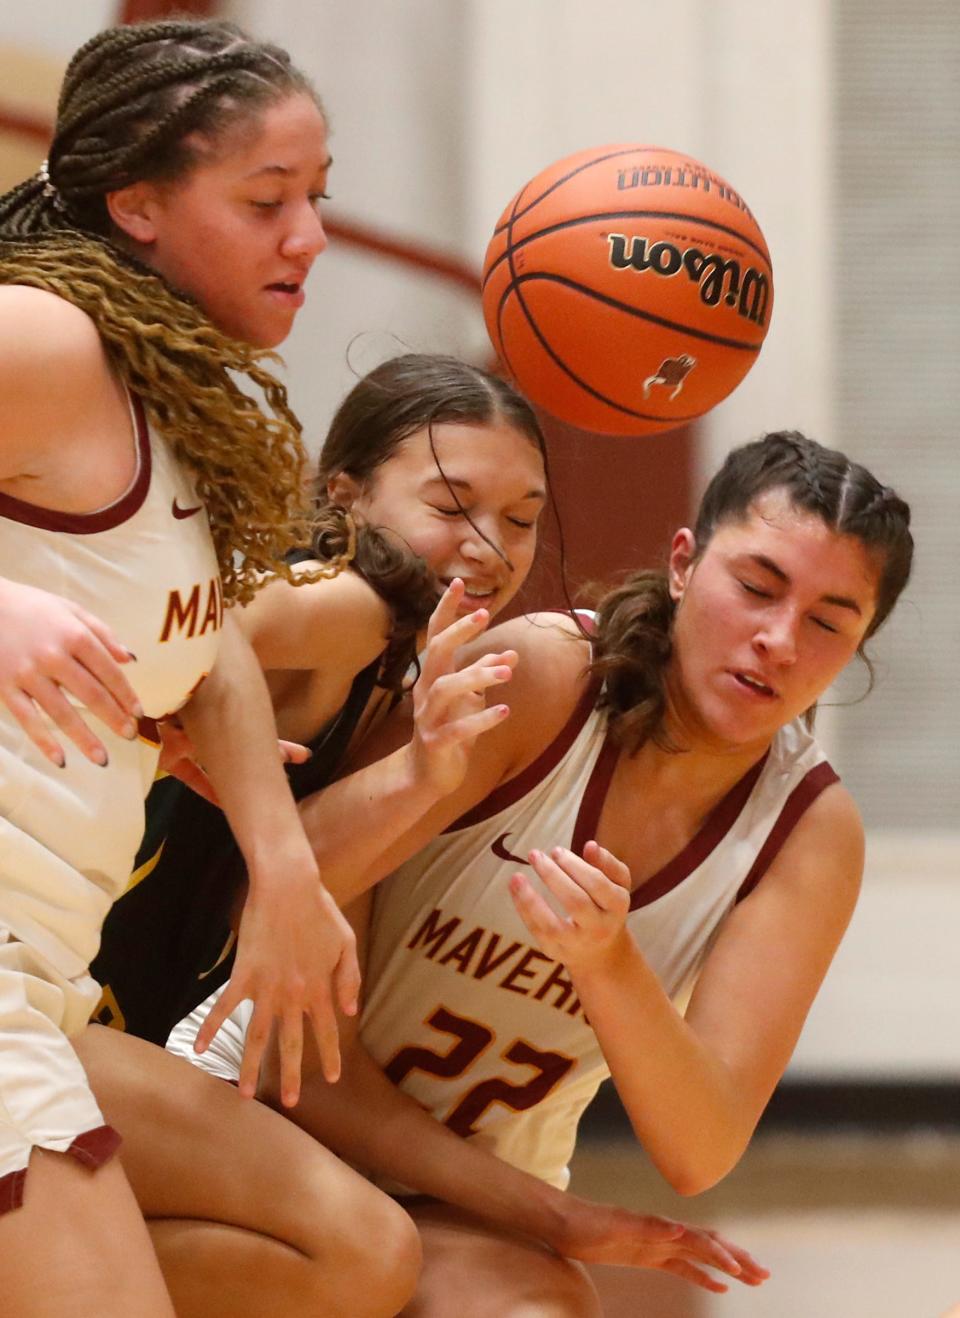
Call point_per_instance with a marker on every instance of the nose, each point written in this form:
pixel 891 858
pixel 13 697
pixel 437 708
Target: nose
pixel 306 237
pixel 480 546
pixel 776 637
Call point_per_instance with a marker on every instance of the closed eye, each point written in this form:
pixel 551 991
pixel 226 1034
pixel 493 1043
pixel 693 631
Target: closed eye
pixel 755 590
pixel 827 627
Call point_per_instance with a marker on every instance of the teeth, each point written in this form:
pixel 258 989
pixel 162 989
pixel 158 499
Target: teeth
pixel 752 681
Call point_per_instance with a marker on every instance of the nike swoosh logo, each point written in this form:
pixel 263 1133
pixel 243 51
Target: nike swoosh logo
pixel 179 513
pixel 499 849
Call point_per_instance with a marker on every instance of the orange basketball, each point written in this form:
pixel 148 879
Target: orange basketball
pixel 627 289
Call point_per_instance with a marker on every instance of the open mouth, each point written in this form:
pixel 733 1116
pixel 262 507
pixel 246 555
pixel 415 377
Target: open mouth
pixel 292 291
pixel 755 685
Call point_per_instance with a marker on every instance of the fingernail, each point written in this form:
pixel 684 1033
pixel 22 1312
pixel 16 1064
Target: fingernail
pixel 130 730
pixel 503 710
pixel 101 757
pixel 137 710
pixel 132 655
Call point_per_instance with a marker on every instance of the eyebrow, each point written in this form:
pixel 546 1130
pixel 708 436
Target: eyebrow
pixel 459 483
pixel 285 171
pixel 841 601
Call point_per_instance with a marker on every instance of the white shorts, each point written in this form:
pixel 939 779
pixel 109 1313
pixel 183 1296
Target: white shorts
pixel 45 1099
pixel 225 1054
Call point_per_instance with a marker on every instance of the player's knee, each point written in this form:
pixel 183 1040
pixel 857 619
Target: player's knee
pixel 382 1274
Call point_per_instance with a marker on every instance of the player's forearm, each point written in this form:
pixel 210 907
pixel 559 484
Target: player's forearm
pixel 366 1120
pixel 352 824
pixel 681 1099
pixel 231 725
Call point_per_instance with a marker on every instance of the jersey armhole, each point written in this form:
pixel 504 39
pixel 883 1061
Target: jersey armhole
pixel 807 790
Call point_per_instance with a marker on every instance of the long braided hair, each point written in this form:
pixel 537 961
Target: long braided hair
pixel 635 621
pixel 134 102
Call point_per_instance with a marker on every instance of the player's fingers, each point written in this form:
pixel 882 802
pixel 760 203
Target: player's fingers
pixel 346 981
pixel 696 1276
pixel 705 1248
pixel 446 609
pixel 27 715
pixel 602 894
pixel 324 1024
pixel 48 696
pixel 451 691
pixel 574 900
pixel 292 752
pixel 608 863
pixel 85 688
pixel 254 1046
pixel 230 998
pixel 542 922
pixel 103 663
pixel 470 727
pixel 438 656
pixel 291 1057
pixel 751 1272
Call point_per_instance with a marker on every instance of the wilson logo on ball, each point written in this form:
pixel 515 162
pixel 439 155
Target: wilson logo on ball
pixel 748 291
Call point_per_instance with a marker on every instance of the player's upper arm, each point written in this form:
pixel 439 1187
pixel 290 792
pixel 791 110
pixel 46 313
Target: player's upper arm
pixel 339 623
pixel 51 362
pixel 772 953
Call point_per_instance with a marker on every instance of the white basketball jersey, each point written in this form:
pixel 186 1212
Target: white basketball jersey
pixel 475 1022
pixel 146 566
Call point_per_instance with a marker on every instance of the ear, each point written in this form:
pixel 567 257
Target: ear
pixel 683 552
pixel 133 210
pixel 343 489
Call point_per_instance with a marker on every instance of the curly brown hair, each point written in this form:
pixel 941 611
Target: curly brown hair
pixel 134 103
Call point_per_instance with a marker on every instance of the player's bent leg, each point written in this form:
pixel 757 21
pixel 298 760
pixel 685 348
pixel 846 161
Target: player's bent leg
pixel 78 1245
pixel 473 1270
pixel 243 1206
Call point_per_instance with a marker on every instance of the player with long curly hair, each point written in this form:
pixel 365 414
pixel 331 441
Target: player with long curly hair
pixel 145 273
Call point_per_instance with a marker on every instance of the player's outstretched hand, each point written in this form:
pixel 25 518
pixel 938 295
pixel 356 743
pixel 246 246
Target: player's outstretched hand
pixel 592 899
pixel 296 957
pixel 50 649
pixel 605 1233
pixel 450 710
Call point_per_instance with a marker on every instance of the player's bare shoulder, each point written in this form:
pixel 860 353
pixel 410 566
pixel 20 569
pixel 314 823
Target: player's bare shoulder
pixel 551 674
pixel 51 363
pixel 824 854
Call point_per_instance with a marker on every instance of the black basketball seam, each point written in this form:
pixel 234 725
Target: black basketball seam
pixel 665 421
pixel 623 215
pixel 634 311
pixel 599 160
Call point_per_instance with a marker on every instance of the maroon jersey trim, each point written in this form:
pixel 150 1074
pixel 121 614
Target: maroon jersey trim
pixel 800 799
pixel 512 791
pixel 93 1148
pixel 714 829
pixel 50 519
pixel 515 789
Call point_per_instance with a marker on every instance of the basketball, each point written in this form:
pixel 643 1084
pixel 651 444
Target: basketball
pixel 627 289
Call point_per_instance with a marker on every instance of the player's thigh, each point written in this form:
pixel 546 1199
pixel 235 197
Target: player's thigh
pixel 193 1148
pixel 473 1270
pixel 78 1245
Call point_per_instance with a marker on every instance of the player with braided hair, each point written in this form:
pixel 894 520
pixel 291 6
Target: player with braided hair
pixel 644 872
pixel 144 274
